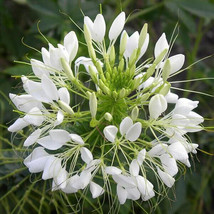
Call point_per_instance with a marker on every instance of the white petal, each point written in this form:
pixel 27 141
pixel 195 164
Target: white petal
pixel 99 28
pixel 132 44
pixel 39 68
pixel 141 156
pixel 145 46
pixel 71 45
pixel 36 91
pixel 110 133
pixel 166 178
pixel 125 124
pixel 122 194
pixel 158 150
pixel 51 164
pixel 69 188
pixel 134 168
pixel 48 143
pixel 133 193
pixel 134 132
pixel 59 135
pixel 24 102
pixel 169 164
pixel 84 180
pixel 45 56
pixel 77 139
pixel 117 26
pixel 96 190
pixel 171 97
pixel 86 155
pixel 161 45
pixel 157 106
pixel 36 160
pixel 49 88
pixel 123 180
pixel 92 165
pixel 18 125
pixel 178 151
pixel 61 178
pixel 64 95
pixel 176 62
pixel 145 187
pixel 89 24
pixel 112 170
pixel 34 116
pixel 59 118
pixel 195 118
pixel 32 137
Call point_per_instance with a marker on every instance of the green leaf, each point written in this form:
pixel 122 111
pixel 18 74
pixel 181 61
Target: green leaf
pixel 18 70
pixel 48 8
pixel 201 8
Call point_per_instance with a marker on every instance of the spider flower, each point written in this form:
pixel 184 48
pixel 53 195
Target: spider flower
pixel 122 127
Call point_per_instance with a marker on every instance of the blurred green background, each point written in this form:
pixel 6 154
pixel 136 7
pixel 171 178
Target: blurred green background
pixel 19 193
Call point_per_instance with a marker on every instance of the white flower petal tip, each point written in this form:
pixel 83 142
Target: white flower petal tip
pixel 110 133
pixel 32 138
pixel 112 170
pixel 18 125
pixel 134 168
pixel 161 45
pixel 117 26
pixel 141 156
pixel 34 117
pixel 77 139
pixel 122 194
pixel 125 124
pixel 36 160
pixel 166 178
pixel 176 62
pixel 134 132
pixel 96 190
pixel 86 155
pixel 157 106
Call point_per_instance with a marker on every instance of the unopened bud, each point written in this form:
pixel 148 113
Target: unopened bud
pixel 65 107
pixel 123 44
pixel 93 104
pixel 108 116
pixel 160 56
pixel 112 55
pixel 67 69
pixel 165 89
pixel 135 113
pixel 93 74
pixel 142 36
pixel 166 70
pixel 122 93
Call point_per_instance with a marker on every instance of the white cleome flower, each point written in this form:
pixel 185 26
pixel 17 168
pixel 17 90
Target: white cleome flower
pixel 126 132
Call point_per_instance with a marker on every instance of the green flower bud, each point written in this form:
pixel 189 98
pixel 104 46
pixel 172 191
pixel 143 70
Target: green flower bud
pixel 93 74
pixel 65 107
pixel 160 57
pixel 112 55
pixel 135 113
pixel 108 116
pixel 122 93
pixel 123 44
pixel 166 70
pixel 142 36
pixel 165 89
pixel 93 104
pixel 67 69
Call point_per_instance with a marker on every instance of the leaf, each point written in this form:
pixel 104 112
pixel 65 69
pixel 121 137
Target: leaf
pixel 18 70
pixel 201 8
pixel 48 8
pixel 182 15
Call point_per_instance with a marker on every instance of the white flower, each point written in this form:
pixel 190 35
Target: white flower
pixel 96 28
pixel 127 128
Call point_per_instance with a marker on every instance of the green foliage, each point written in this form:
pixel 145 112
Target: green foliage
pixel 20 193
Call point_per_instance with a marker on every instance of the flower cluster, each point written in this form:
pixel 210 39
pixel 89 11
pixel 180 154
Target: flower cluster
pixel 117 127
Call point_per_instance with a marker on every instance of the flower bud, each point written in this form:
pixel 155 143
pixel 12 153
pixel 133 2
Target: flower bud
pixel 122 93
pixel 67 69
pixel 135 113
pixel 108 116
pixel 123 43
pixel 93 74
pixel 142 36
pixel 166 70
pixel 112 55
pixel 165 89
pixel 93 104
pixel 65 107
pixel 160 56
